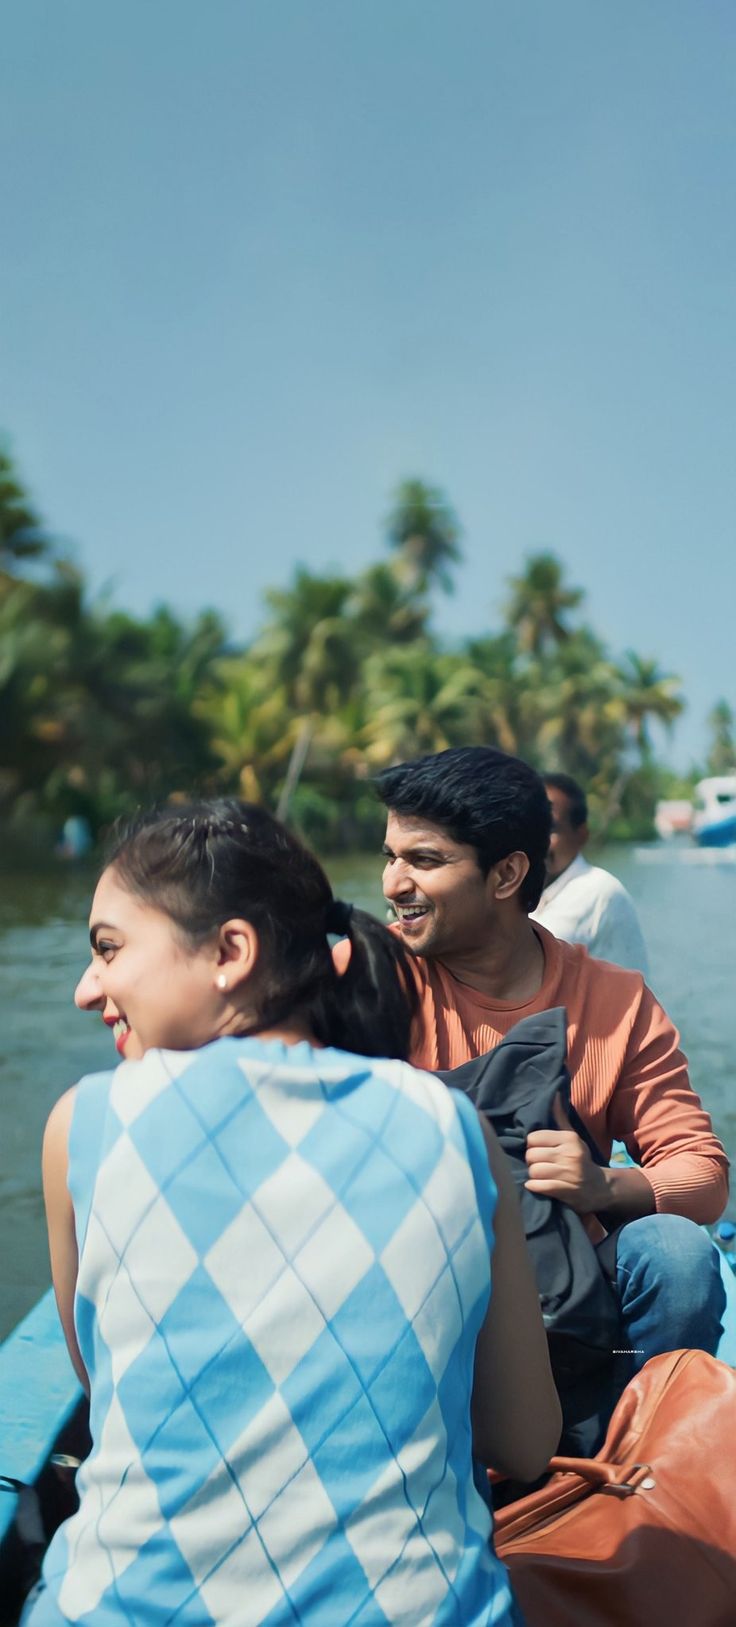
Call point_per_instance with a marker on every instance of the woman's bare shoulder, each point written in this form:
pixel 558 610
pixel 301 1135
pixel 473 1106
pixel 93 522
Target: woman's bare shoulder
pixel 56 1134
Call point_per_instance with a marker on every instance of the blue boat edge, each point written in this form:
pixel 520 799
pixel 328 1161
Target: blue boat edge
pixel 42 1412
pixel 726 1351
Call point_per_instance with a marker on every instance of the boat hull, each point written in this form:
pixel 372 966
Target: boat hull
pixel 722 833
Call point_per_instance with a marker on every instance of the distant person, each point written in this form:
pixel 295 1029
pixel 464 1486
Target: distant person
pixel 272 1259
pixel 581 902
pixel 76 839
pixel 466 841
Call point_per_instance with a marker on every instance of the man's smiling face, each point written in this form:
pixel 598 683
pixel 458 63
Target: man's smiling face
pixel 443 902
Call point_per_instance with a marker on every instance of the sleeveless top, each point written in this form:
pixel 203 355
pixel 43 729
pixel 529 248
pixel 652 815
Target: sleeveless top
pixel 283 1268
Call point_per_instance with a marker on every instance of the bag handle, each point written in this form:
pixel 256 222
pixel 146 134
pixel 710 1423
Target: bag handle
pixel 622 1478
pixel 582 1477
pixel 619 1475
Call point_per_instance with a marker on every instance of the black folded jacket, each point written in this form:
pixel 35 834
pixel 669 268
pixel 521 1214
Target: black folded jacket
pixel 515 1086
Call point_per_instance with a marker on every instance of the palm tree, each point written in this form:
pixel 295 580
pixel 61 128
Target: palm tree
pixel 247 724
pixel 33 670
pixel 647 693
pixel 539 604
pixel 121 723
pixel 186 653
pixel 21 536
pixel 98 706
pixel 420 701
pixel 303 644
pixel 579 726
pixel 508 723
pixel 722 755
pixel 424 531
pixel 310 651
pixel 384 610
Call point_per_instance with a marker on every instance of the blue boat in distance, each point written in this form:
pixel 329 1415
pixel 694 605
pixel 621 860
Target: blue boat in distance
pixel 714 818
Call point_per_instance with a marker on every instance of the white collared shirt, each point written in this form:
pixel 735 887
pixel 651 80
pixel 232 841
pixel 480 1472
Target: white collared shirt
pixel 588 905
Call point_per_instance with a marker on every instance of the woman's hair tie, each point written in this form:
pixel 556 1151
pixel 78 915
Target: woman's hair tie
pixel 337 918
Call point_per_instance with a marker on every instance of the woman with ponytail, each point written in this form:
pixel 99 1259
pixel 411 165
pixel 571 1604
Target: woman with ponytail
pixel 270 1243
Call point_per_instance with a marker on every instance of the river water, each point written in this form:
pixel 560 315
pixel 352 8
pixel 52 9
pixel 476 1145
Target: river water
pixel 687 906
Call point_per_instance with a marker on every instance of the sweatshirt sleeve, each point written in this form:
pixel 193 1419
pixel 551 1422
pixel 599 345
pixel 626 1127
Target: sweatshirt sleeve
pixel 656 1113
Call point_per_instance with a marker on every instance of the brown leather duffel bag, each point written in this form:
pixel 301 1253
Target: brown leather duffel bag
pixel 644 1534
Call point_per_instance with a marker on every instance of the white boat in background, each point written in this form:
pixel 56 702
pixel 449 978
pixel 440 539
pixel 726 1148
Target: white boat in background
pixel 673 817
pixel 714 819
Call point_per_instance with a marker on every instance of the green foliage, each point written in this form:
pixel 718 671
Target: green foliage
pixel 423 530
pixel 21 535
pixel 100 710
pixel 722 753
pixel 539 603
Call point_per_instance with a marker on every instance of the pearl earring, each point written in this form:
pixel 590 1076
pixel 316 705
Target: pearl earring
pixel 222 982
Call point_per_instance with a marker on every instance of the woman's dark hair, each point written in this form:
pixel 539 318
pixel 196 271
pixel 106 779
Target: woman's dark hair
pixel 204 863
pixel 483 797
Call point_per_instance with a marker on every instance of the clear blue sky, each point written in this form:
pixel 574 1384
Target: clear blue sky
pixel 261 259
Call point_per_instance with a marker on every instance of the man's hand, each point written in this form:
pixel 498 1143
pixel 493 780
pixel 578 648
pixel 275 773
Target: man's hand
pixel 560 1166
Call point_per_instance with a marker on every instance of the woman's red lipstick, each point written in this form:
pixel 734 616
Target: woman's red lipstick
pixel 121 1032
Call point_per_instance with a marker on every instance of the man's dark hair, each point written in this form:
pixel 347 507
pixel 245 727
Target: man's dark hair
pixel 494 803
pixel 577 812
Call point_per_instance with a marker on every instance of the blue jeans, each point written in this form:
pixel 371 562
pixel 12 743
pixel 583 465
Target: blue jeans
pixel 669 1287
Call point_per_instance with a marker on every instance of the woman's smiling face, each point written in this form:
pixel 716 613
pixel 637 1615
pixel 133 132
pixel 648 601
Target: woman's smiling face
pixel 144 979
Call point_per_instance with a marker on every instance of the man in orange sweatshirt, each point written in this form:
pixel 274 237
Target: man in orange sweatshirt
pixel 466 841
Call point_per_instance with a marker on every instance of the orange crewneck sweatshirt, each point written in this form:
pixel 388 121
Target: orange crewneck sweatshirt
pixel 629 1077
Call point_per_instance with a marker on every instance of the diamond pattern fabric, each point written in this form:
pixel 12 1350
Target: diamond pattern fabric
pixel 284 1265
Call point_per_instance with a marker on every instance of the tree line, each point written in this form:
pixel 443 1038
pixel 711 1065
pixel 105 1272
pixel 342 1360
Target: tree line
pixel 101 711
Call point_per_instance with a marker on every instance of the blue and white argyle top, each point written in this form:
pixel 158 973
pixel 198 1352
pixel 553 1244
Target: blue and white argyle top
pixel 283 1268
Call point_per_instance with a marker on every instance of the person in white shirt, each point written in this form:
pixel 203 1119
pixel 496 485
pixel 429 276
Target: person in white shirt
pixel 581 902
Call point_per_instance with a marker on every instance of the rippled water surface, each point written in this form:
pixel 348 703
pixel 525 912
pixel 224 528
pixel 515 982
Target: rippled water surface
pixel 687 904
